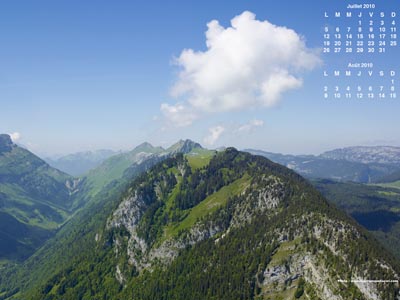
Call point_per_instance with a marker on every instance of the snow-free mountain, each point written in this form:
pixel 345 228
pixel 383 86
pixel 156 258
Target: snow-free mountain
pixel 366 155
pixel 358 164
pixel 77 164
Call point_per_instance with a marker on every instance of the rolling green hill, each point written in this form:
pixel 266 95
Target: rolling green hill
pixel 209 226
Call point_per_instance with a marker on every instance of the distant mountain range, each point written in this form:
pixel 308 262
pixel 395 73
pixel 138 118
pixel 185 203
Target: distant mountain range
pixel 358 164
pixel 385 155
pixel 77 164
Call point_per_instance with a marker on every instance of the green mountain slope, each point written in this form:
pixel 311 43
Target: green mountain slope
pixel 377 208
pixel 126 164
pixel 34 200
pixel 392 184
pixel 394 177
pixel 228 226
pixel 80 231
pixel 114 167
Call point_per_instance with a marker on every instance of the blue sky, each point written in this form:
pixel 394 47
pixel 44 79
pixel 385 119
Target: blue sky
pixel 81 75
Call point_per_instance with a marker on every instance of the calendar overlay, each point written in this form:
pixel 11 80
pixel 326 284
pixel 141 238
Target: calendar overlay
pixel 360 46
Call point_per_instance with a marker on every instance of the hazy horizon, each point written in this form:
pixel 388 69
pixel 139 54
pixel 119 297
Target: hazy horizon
pixel 165 146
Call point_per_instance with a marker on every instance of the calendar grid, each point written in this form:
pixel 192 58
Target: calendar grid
pixel 359 39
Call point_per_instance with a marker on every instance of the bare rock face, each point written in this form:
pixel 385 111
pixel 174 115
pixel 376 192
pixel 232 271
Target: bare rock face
pixel 73 185
pixel 293 263
pixel 141 255
pixel 128 215
pixel 259 198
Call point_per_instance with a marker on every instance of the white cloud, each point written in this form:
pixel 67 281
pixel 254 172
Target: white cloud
pixel 178 114
pixel 249 64
pixel 214 134
pixel 15 136
pixel 250 125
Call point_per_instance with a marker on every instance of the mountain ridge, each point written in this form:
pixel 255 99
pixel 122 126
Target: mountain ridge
pixel 366 154
pixel 326 166
pixel 116 166
pixel 77 164
pixel 259 229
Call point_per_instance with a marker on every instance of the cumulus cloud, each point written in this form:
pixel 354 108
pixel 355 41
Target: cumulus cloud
pixel 178 114
pixel 214 134
pixel 15 136
pixel 250 125
pixel 249 64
